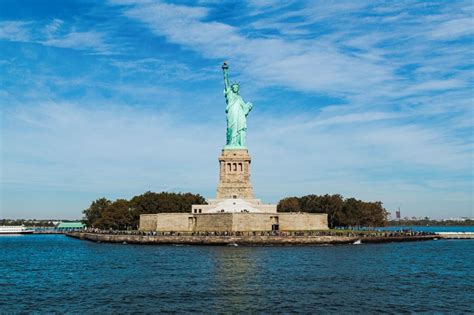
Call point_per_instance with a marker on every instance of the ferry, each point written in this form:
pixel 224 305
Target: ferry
pixel 8 230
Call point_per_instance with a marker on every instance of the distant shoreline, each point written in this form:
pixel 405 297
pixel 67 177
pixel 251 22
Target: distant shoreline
pixel 466 222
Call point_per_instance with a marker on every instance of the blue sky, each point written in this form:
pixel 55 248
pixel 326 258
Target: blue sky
pixel 370 99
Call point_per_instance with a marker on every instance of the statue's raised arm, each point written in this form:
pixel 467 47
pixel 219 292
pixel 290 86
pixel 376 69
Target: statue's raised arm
pixel 225 68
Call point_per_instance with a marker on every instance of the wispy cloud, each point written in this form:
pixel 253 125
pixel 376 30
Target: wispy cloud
pixel 368 99
pixel 48 35
pixel 67 137
pixel 51 28
pixel 14 31
pixel 320 63
pixel 453 29
pixel 304 65
pixel 81 149
pixel 164 69
pixel 90 40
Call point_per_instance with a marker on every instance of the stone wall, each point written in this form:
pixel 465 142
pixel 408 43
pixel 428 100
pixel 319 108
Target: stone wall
pixel 174 222
pixel 242 222
pixel 213 222
pixel 165 222
pixel 242 240
pixel 301 221
pixel 247 222
pixel 147 222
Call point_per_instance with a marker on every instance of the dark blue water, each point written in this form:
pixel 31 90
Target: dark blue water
pixel 53 273
pixel 421 228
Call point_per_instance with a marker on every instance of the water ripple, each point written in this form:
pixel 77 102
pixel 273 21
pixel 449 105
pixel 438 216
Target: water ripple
pixel 55 274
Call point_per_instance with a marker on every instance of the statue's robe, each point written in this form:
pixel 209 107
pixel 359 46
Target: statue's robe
pixel 237 111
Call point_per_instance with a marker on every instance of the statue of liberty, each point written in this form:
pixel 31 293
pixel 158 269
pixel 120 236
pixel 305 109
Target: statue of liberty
pixel 237 111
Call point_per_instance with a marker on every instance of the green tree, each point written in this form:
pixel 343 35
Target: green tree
pixel 290 204
pixel 94 212
pixel 162 202
pixel 123 214
pixel 360 213
pixel 116 216
pixel 373 214
pixel 348 212
pixel 332 205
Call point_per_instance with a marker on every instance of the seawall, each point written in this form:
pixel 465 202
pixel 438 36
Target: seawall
pixel 456 235
pixel 241 240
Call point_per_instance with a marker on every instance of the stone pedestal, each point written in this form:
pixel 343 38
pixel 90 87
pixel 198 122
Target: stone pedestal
pixel 234 178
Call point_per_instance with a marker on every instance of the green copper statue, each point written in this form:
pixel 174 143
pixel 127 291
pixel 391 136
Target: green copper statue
pixel 237 111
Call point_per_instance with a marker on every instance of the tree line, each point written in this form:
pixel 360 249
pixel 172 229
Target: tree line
pixel 123 214
pixel 341 212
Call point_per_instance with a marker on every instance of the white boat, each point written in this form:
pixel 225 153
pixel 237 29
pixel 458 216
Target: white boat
pixel 20 229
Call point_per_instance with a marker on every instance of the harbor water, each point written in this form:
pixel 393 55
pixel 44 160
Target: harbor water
pixel 57 274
